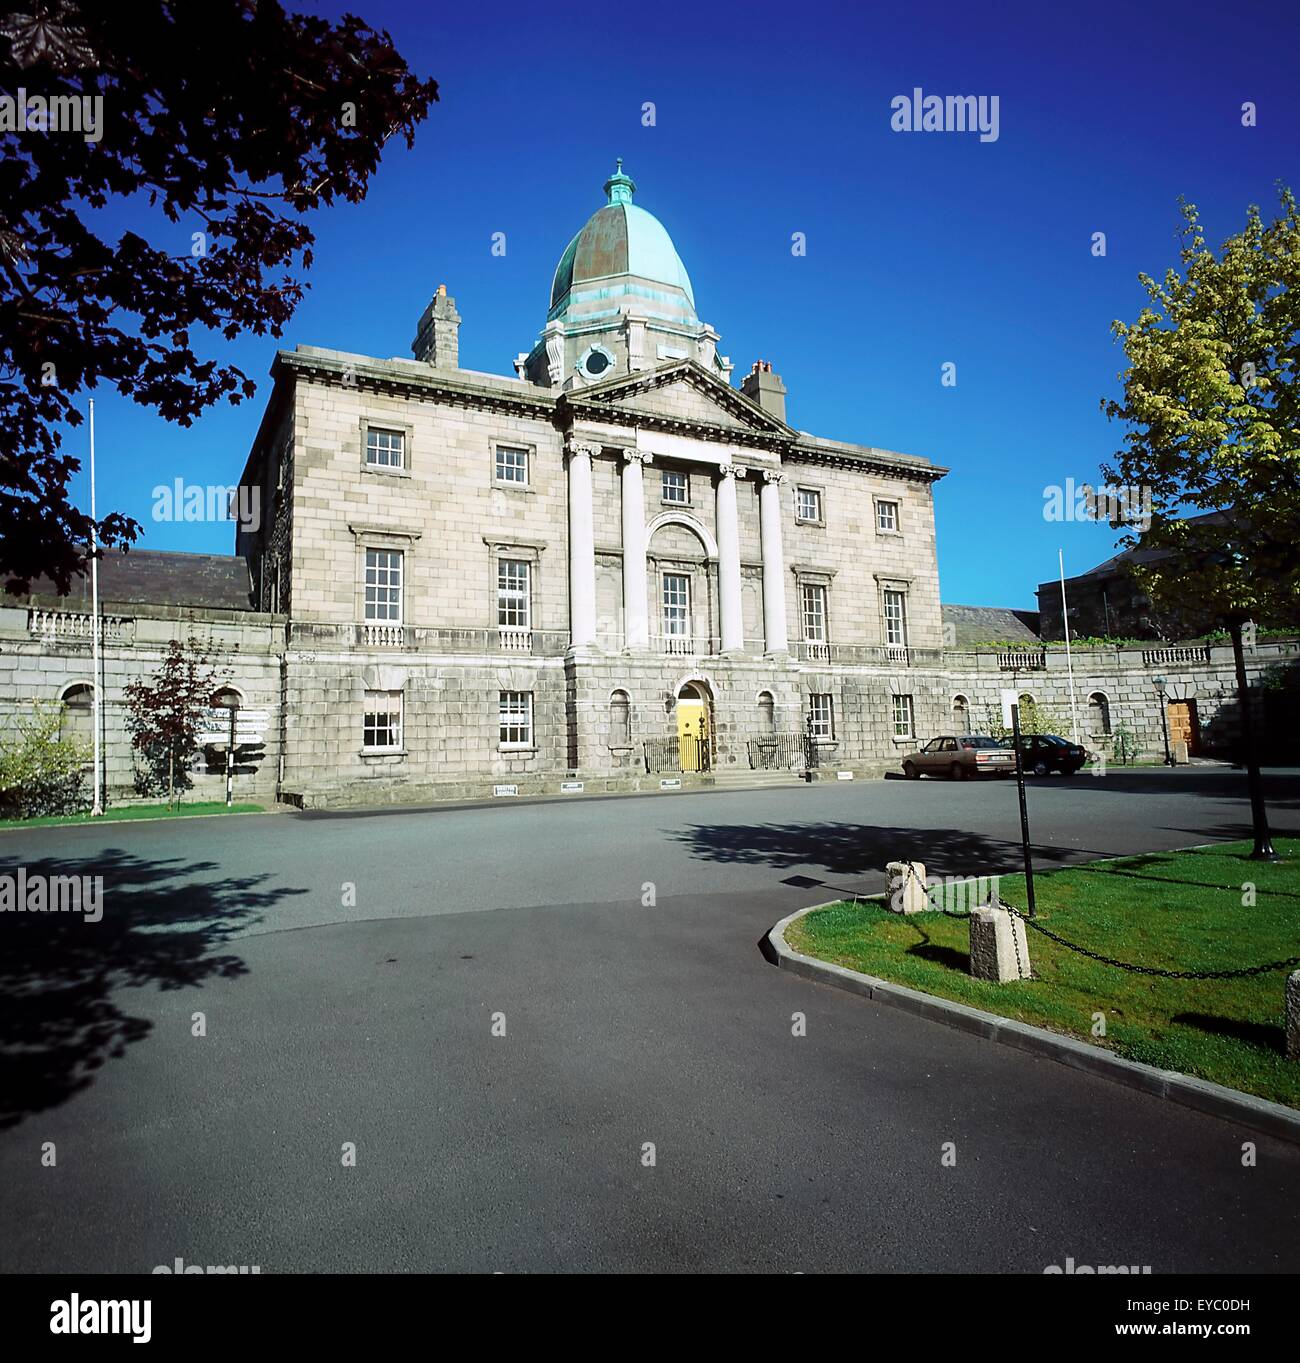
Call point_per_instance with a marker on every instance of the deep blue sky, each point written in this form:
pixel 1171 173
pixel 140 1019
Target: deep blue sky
pixel 773 118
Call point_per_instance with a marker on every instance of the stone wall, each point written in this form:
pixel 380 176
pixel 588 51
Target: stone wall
pixel 40 664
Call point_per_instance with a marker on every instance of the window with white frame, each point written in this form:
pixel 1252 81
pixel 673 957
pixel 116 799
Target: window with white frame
pixel 512 465
pixel 812 600
pixel 385 449
pixel 896 619
pixel 675 487
pixel 887 517
pixel 384 585
pixel 677 605
pixel 904 726
pixel 821 715
pixel 807 504
pixel 516 719
pixel 513 594
pixel 381 729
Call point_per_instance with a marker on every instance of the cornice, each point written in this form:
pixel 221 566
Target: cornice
pixel 378 377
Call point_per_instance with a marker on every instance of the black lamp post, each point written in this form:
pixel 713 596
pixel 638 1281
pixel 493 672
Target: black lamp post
pixel 1160 685
pixel 1263 850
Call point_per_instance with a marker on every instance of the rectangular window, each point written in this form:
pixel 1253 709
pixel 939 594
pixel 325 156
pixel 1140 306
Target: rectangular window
pixel 385 449
pixel 382 723
pixel 808 504
pixel 896 619
pixel 512 466
pixel 821 717
pixel 887 516
pixel 675 487
pixel 903 725
pixel 813 603
pixel 513 604
pixel 677 606
pixel 516 719
pixel 384 585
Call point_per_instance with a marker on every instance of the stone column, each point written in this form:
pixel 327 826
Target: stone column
pixel 729 608
pixel 636 625
pixel 582 548
pixel 769 511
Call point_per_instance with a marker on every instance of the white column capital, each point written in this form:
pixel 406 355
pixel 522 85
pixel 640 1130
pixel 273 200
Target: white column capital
pixel 583 449
pixel 733 470
pixel 771 476
pixel 638 457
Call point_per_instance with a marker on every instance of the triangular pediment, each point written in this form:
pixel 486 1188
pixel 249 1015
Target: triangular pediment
pixel 680 393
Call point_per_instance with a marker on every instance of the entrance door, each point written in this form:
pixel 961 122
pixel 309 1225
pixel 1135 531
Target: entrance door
pixel 693 733
pixel 1183 725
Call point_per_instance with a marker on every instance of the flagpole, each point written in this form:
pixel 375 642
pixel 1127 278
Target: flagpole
pixel 1069 661
pixel 98 808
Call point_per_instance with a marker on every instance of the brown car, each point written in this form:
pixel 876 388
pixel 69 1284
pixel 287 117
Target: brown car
pixel 960 756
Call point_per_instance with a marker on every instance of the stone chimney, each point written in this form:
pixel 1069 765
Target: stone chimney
pixel 762 386
pixel 437 337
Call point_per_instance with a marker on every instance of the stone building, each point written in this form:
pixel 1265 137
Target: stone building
pixel 613 565
pixel 614 570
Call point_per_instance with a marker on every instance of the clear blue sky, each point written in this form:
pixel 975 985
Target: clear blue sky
pixel 774 118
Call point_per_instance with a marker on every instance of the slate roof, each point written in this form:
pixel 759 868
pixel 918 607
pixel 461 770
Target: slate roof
pixel 156 577
pixel 990 624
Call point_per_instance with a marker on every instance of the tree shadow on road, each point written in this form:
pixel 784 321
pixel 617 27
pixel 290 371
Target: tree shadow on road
pixel 61 975
pixel 849 849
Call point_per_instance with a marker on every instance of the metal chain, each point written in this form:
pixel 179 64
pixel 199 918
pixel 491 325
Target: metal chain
pixel 1290 963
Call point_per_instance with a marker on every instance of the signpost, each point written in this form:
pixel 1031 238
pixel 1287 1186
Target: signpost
pixel 1011 716
pixel 229 728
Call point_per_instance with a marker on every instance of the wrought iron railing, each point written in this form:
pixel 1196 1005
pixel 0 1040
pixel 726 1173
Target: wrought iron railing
pixel 682 753
pixel 779 752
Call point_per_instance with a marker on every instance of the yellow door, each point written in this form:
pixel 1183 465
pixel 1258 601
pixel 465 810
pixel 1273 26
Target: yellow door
pixel 692 734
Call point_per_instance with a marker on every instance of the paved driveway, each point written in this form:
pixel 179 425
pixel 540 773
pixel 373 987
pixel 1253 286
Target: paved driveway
pixel 349 969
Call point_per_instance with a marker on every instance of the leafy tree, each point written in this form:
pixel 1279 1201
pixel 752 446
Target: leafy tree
pixel 1211 396
pixel 1212 402
pixel 1035 718
pixel 230 118
pixel 165 713
pixel 41 770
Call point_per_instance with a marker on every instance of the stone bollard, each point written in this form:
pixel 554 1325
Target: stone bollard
pixel 907 887
pixel 998 948
pixel 1293 1015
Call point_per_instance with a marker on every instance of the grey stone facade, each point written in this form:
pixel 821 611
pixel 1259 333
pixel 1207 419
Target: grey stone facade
pixel 459 582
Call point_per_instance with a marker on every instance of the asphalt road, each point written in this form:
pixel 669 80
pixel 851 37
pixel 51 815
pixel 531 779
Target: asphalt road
pixel 365 1015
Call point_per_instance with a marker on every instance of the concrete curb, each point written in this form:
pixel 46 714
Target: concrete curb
pixel 1259 1114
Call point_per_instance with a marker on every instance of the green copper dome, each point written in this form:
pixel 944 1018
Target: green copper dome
pixel 623 252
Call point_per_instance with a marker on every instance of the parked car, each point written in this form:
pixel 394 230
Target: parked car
pixel 960 756
pixel 1044 753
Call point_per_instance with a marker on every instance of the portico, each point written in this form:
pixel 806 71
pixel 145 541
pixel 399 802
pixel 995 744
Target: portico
pixel 719 469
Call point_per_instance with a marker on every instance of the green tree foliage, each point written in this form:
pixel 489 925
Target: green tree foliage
pixel 231 120
pixel 164 716
pixel 41 770
pixel 1034 719
pixel 1212 403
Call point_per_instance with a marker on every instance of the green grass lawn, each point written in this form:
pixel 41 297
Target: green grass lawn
pixel 1177 910
pixel 117 813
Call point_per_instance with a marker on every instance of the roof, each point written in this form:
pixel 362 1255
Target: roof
pixel 989 625
pixel 619 240
pixel 156 577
